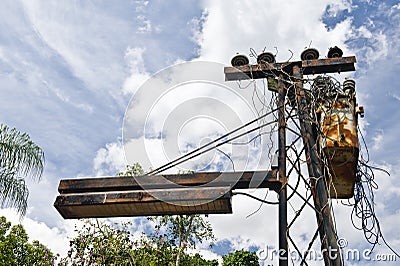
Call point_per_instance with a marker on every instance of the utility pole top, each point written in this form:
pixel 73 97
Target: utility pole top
pixel 309 67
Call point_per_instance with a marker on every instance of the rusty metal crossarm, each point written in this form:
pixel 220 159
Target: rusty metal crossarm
pixel 144 203
pixel 197 193
pixel 309 67
pixel 236 180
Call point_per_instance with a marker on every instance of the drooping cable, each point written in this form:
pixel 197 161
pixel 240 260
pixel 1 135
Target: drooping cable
pixel 254 197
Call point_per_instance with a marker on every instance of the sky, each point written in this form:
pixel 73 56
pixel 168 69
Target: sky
pixel 72 71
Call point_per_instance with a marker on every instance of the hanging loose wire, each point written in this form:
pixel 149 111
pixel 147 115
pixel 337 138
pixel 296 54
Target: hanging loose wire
pixel 326 91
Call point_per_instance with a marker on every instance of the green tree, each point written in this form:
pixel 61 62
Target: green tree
pixel 240 258
pixel 19 157
pixel 16 250
pixel 181 231
pixel 101 243
pixel 98 243
pixel 132 170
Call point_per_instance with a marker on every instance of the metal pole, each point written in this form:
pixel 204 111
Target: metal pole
pixel 329 247
pixel 283 244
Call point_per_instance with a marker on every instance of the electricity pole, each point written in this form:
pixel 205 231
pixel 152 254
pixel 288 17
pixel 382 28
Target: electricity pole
pixel 296 70
pixel 282 212
pixel 330 248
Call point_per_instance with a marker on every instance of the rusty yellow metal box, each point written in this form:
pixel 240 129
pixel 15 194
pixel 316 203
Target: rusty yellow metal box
pixel 339 140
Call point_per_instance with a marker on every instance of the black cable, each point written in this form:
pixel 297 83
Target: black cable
pixel 229 157
pixel 161 168
pixel 252 139
pixel 253 197
pixel 365 144
pixel 178 161
pixel 326 90
pixel 253 53
pixel 294 167
pixel 291 55
pixel 259 207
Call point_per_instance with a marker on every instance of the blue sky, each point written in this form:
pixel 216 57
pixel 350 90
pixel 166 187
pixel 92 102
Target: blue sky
pixel 68 70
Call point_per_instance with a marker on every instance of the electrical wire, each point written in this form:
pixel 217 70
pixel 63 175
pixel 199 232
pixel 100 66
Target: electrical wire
pixel 326 92
pixel 227 156
pixel 173 162
pixel 259 207
pixel 254 197
pixel 193 154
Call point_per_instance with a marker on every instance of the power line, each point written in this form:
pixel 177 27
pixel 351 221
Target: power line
pixel 185 157
pixel 174 162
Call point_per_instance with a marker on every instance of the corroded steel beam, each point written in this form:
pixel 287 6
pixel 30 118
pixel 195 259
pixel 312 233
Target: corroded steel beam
pixel 235 180
pixel 196 193
pixel 145 203
pixel 309 67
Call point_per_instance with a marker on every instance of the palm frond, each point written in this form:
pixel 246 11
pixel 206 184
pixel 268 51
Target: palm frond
pixel 19 157
pixel 19 153
pixel 13 192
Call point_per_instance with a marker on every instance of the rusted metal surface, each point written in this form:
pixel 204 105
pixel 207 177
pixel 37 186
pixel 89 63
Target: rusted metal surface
pixel 144 203
pixel 328 65
pixel 317 66
pixel 249 179
pixel 201 193
pixel 338 120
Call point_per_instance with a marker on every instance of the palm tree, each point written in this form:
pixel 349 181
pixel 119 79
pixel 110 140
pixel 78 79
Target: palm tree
pixel 19 157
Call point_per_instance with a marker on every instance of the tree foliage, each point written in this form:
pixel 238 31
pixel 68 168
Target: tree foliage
pixel 16 250
pixel 19 157
pixel 180 231
pixel 98 243
pixel 183 231
pixel 240 258
pixel 101 243
pixel 132 170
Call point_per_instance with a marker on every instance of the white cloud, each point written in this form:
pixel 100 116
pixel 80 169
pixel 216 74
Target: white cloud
pixel 336 7
pixel 196 25
pixel 187 105
pixel 145 24
pixel 397 97
pixel 377 140
pixel 109 160
pixel 89 51
pixel 266 24
pixel 138 74
pixel 376 43
pixel 395 7
pixel 55 238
